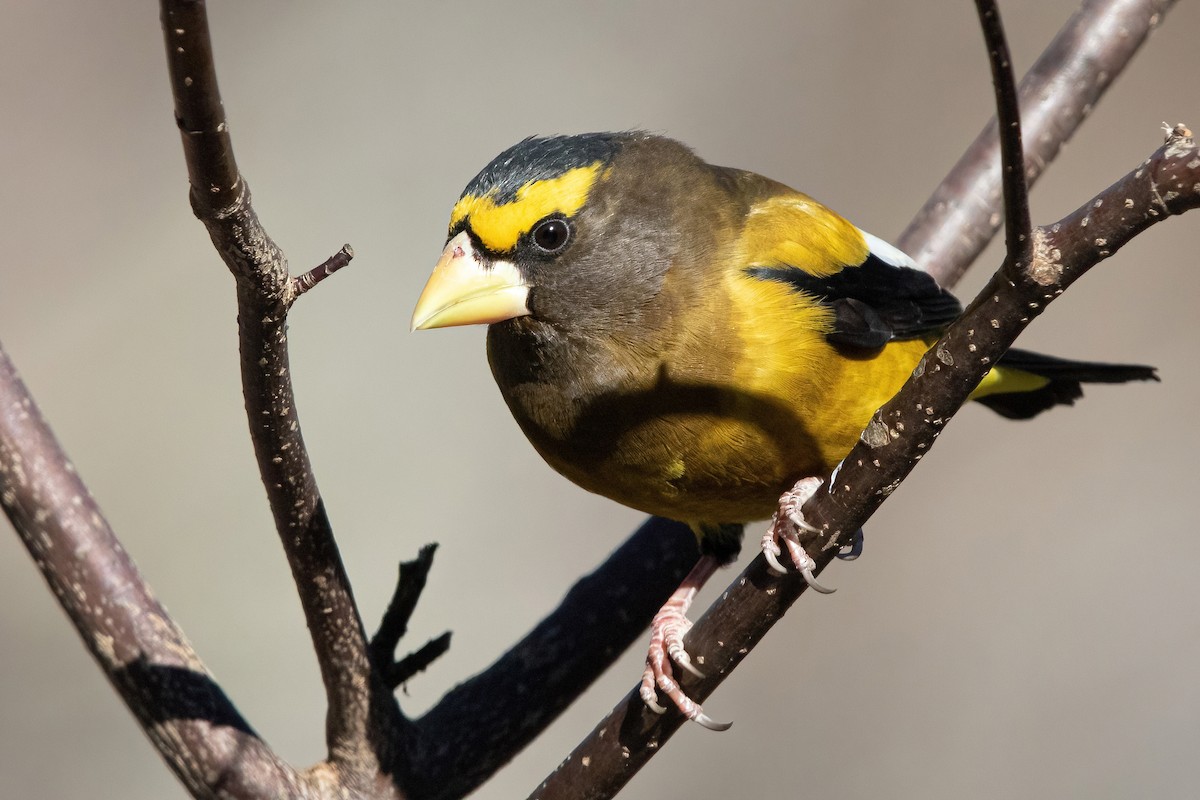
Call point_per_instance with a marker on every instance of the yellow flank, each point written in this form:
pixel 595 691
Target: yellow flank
pixel 499 227
pixel 793 230
pixel 785 358
pixel 782 331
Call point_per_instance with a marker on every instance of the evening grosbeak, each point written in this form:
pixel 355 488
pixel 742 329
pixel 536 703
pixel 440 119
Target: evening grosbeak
pixel 692 340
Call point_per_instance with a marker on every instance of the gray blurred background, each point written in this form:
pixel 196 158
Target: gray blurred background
pixel 1024 620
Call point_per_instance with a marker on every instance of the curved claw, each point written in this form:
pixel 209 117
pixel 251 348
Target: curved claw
pixel 854 549
pixel 667 651
pixel 772 557
pixel 646 691
pixel 681 657
pixel 704 720
pixel 801 523
pixel 806 565
pixel 792 503
pixel 811 580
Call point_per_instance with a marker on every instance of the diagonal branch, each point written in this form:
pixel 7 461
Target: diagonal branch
pixel 907 426
pixel 901 432
pixel 302 283
pixel 145 655
pixel 394 626
pixel 479 725
pixel 363 721
pixel 409 586
pixel 402 671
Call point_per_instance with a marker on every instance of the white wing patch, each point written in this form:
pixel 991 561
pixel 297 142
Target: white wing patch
pixel 886 252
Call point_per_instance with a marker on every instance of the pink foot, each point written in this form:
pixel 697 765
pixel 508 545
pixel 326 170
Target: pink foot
pixel 785 525
pixel 667 651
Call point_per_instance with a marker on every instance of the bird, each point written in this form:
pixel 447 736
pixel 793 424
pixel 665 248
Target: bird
pixel 692 340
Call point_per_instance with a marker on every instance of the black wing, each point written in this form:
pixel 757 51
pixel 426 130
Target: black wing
pixel 873 303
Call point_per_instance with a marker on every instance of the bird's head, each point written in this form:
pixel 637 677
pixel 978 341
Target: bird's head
pixel 567 230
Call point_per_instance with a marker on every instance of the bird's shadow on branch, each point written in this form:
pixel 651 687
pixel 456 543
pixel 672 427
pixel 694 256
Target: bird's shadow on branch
pixel 177 693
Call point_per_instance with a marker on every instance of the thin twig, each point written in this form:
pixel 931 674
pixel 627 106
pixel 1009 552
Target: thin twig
pixel 1018 226
pixel 1057 93
pixel 409 586
pixel 302 283
pixel 418 661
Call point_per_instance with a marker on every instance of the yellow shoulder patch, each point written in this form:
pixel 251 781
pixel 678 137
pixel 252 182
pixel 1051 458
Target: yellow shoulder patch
pixel 500 227
pixel 796 231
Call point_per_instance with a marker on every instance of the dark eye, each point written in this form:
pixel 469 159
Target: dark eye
pixel 551 235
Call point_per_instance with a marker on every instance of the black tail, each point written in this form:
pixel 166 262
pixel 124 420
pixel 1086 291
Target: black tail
pixel 1065 378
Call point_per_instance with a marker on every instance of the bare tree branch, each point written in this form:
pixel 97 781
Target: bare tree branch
pixel 150 663
pixel 417 661
pixel 363 721
pixel 479 726
pixel 409 586
pixel 903 430
pixel 302 283
pixel 1057 93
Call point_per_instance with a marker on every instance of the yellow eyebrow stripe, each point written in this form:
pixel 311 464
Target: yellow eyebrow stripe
pixel 499 227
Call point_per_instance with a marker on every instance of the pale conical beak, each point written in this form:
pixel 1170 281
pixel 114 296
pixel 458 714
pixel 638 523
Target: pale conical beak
pixel 463 291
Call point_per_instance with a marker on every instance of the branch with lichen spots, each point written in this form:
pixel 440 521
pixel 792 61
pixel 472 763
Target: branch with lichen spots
pixel 364 728
pixel 902 431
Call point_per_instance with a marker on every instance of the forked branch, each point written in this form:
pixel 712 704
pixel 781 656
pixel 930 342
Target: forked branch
pixel 363 724
pixel 1057 94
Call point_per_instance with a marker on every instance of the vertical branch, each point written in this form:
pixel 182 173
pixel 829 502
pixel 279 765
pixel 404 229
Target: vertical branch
pixel 1018 227
pixel 362 722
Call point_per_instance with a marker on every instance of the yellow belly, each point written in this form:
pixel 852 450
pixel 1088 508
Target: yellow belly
pixel 724 453
pixel 714 424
